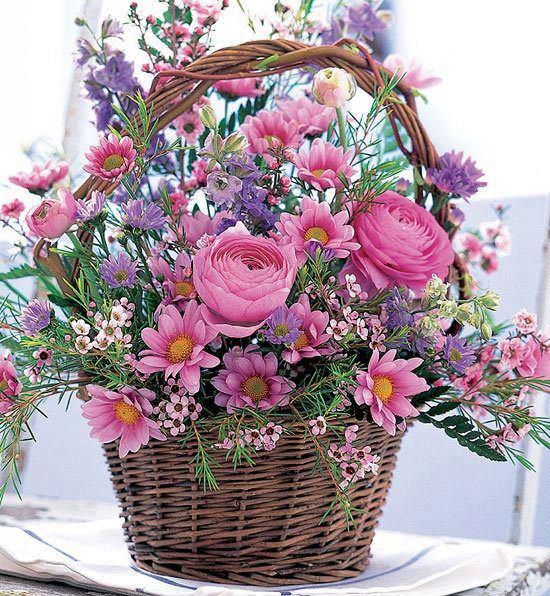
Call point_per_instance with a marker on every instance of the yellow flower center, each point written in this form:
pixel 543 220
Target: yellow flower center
pixel 126 413
pixel 316 233
pixel 256 388
pixel 180 349
pixel 184 288
pixel 112 162
pixel 383 388
pixel 455 355
pixel 121 275
pixel 301 342
pixel 273 140
pixel 3 385
pixel 318 173
pixel 280 330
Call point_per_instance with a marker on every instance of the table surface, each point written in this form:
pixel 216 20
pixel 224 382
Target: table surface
pixel 530 575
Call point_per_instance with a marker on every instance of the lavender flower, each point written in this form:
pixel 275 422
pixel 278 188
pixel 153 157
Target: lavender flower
pixel 222 188
pixel 143 216
pixel 119 271
pixel 458 353
pixel 117 74
pixel 313 247
pixel 398 310
pixel 283 326
pixel 456 215
pixel 90 209
pixel 362 20
pixel 36 316
pixel 456 177
pixel 225 224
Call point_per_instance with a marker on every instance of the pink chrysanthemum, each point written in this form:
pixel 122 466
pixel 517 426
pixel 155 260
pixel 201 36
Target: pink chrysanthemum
pixel 41 178
pixel 189 126
pixel 322 165
pixel 247 87
pixel 386 386
pixel 269 130
pixel 123 415
pixel 317 224
pixel 311 117
pixel 177 348
pixel 312 341
pixel 112 158
pixel 250 380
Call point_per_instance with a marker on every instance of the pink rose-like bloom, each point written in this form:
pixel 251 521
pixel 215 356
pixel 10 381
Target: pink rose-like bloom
pixel 177 348
pixel 312 340
pixel 112 158
pixel 250 380
pixel 317 224
pixel 525 321
pixel 269 130
pixel 10 386
pixel 535 361
pixel 386 387
pixel 333 87
pixel 41 178
pixel 412 72
pixel 242 279
pixel 401 244
pixel 311 117
pixel 12 209
pixel 322 165
pixel 53 217
pixel 247 87
pixel 123 415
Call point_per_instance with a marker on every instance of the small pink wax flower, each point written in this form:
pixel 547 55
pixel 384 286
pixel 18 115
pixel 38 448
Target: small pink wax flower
pixel 525 321
pixel 311 117
pixel 386 386
pixel 412 72
pixel 268 131
pixel 41 178
pixel 177 347
pixel 317 224
pixel 12 209
pixel 10 386
pixel 53 217
pixel 112 158
pixel 250 380
pixel 322 165
pixel 247 87
pixel 122 414
pixel 312 341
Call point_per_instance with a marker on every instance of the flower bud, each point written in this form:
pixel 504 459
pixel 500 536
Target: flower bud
pixel 486 331
pixel 436 289
pixel 490 300
pixel 235 143
pixel 333 87
pixel 448 309
pixel 208 117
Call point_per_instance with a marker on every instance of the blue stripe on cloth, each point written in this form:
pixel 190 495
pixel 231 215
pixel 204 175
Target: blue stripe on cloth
pixel 37 537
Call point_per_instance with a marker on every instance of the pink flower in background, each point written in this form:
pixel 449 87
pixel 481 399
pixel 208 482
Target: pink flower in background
pixel 177 348
pixel 12 209
pixel 322 165
pixel 10 386
pixel 317 224
pixel 53 217
pixel 514 352
pixel 312 341
pixel 525 321
pixel 41 178
pixel 247 87
pixel 199 171
pixel 112 158
pixel 179 201
pixel 123 415
pixel 412 72
pixel 177 283
pixel 250 380
pixel 197 225
pixel 386 386
pixel 269 130
pixel 189 126
pixel 401 244
pixel 471 244
pixel 535 360
pixel 242 279
pixel 311 117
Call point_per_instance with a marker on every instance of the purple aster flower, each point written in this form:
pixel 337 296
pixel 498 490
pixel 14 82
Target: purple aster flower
pixel 222 188
pixel 458 353
pixel 283 326
pixel 36 316
pixel 453 176
pixel 362 19
pixel 225 224
pixel 90 209
pixel 143 216
pixel 313 247
pixel 119 271
pixel 398 309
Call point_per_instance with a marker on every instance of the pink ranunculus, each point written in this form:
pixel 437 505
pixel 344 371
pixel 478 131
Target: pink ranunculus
pixel 317 224
pixel 311 117
pixel 122 414
pixel 242 279
pixel 323 164
pixel 269 130
pixel 247 87
pixel 333 87
pixel 412 72
pixel 41 178
pixel 387 386
pixel 10 386
pixel 112 158
pixel 53 217
pixel 401 244
pixel 535 360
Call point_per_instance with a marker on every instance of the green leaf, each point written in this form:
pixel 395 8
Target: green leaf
pixel 20 272
pixel 442 408
pixel 426 396
pixel 60 300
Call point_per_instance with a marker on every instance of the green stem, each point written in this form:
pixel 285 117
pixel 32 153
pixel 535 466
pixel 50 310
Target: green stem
pixel 342 125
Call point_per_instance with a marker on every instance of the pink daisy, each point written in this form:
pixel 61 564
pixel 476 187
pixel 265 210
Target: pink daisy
pixel 41 177
pixel 322 165
pixel 177 348
pixel 189 126
pixel 317 224
pixel 247 87
pixel 311 117
pixel 312 340
pixel 250 380
pixel 386 386
pixel 123 415
pixel 269 130
pixel 112 158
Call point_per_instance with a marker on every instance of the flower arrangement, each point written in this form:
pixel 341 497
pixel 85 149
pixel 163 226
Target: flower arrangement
pixel 261 274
